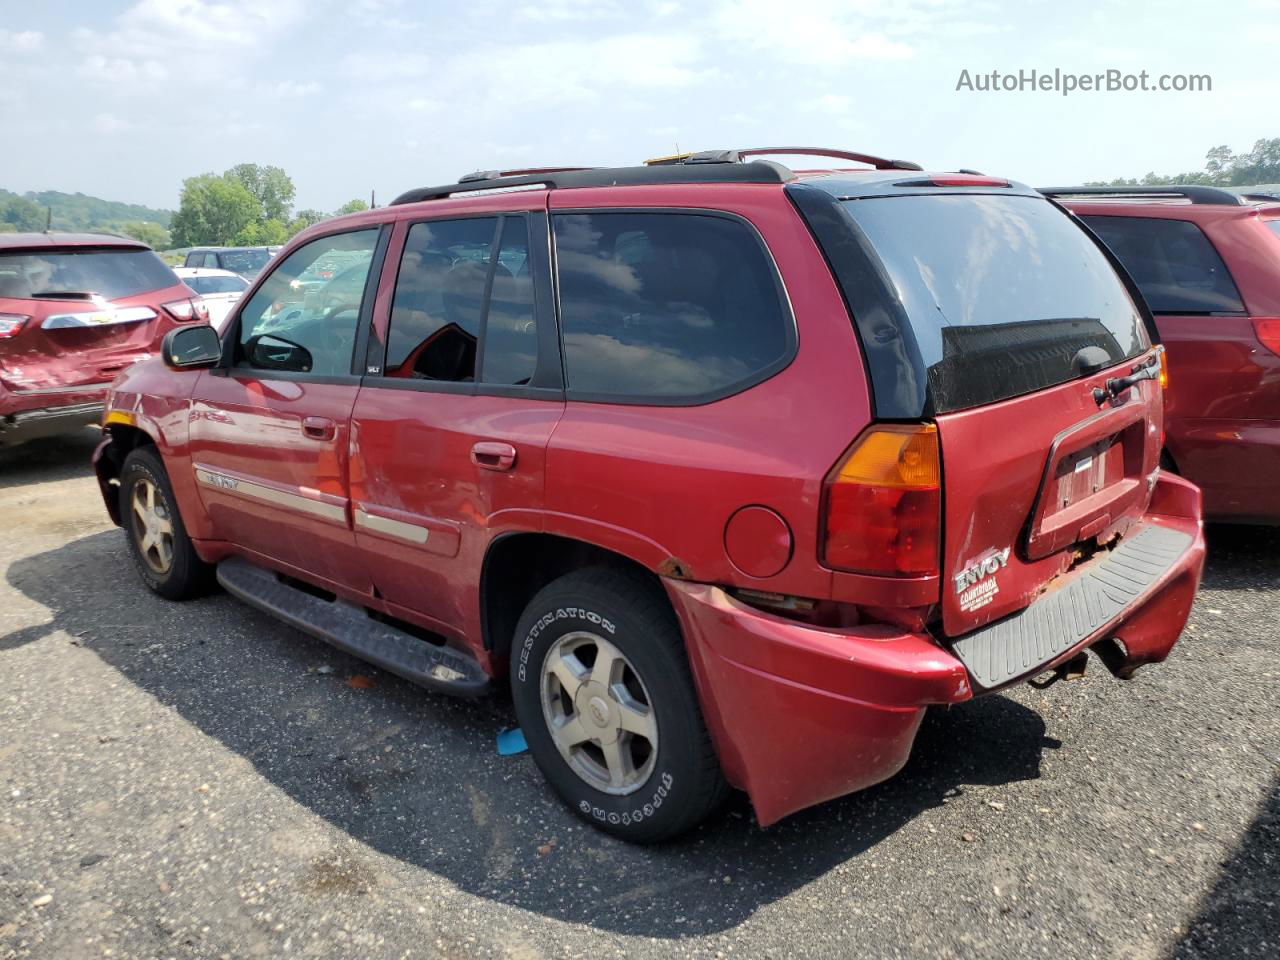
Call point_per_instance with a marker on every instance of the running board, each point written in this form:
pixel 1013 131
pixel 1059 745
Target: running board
pixel 350 628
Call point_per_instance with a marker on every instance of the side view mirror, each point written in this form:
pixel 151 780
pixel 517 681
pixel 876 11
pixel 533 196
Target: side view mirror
pixel 269 352
pixel 191 348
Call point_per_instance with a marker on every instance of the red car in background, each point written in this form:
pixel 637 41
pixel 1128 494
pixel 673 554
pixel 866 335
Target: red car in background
pixel 726 471
pixel 1208 263
pixel 75 310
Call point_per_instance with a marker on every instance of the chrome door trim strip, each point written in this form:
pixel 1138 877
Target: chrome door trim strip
pixel 280 498
pixel 411 532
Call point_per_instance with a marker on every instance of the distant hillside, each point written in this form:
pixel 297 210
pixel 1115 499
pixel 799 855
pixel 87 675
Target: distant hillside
pixel 76 211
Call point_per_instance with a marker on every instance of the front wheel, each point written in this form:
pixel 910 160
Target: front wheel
pixel 158 542
pixel 603 692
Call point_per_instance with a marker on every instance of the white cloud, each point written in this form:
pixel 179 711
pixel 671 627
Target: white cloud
pixel 831 103
pixel 559 71
pixel 386 66
pixel 122 70
pixel 823 32
pixel 21 41
pixel 563 10
pixel 109 123
pixel 294 88
pixel 186 29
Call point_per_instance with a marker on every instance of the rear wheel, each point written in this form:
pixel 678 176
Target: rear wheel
pixel 158 542
pixel 603 693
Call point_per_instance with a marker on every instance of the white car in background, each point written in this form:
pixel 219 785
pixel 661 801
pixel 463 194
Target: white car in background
pixel 220 290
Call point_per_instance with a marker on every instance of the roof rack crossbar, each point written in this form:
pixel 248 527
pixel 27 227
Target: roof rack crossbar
pixel 1212 196
pixel 739 156
pixel 754 172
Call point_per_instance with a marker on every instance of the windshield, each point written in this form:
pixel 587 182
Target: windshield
pixel 216 284
pixel 247 263
pixel 108 272
pixel 1001 296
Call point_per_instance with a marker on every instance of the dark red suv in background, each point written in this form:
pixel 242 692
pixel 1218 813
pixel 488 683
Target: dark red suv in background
pixel 729 471
pixel 1208 262
pixel 75 310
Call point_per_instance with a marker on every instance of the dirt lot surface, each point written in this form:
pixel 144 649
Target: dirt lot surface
pixel 197 780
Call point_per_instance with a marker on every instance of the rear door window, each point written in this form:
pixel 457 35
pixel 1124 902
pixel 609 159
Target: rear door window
pixel 667 307
pixel 1172 261
pixel 1274 225
pixel 463 309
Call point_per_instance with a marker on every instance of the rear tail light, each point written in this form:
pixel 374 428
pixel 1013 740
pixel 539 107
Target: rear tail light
pixel 186 311
pixel 882 503
pixel 11 324
pixel 1268 331
pixel 201 311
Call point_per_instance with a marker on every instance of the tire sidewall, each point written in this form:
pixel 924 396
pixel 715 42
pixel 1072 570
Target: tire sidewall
pixel 657 804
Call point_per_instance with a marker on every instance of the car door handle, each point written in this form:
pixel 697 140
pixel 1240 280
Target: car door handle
pixel 491 455
pixel 319 428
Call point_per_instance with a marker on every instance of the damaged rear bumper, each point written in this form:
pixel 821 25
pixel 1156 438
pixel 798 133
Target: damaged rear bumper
pixel 803 714
pixel 32 424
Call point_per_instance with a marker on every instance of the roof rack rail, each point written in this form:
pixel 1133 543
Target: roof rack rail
pixel 755 172
pixel 739 156
pixel 528 172
pixel 1213 196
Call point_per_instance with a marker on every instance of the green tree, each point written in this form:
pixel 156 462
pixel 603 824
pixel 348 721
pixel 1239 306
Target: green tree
pixel 351 206
pixel 303 219
pixel 1222 168
pixel 212 210
pixel 270 186
pixel 268 233
pixel 152 234
pixel 25 215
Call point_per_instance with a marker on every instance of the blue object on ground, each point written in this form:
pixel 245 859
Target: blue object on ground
pixel 511 742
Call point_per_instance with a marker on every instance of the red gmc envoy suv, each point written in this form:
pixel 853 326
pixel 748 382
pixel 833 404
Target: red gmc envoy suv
pixel 728 471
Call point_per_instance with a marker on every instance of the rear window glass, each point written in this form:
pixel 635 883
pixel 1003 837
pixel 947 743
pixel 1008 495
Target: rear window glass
pixel 216 284
pixel 109 273
pixel 1000 295
pixel 666 307
pixel 1173 263
pixel 248 263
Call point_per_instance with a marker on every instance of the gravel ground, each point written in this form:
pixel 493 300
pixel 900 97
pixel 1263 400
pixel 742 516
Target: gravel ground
pixel 197 780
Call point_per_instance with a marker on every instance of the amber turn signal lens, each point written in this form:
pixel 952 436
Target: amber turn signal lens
pixel 892 456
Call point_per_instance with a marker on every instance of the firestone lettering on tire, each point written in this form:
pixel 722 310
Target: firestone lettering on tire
pixel 628 817
pixel 561 613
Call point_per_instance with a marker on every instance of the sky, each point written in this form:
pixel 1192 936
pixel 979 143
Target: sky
pixel 122 100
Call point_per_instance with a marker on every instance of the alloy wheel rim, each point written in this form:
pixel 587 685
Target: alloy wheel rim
pixel 599 713
pixel 152 528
